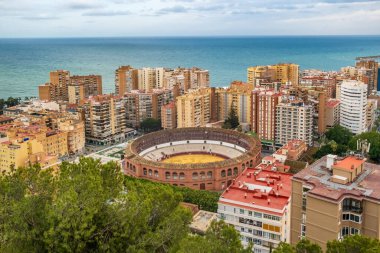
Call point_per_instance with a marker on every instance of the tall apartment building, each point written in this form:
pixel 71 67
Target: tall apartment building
pixel 282 72
pixel 82 87
pixel 147 79
pixel 335 197
pixel 257 204
pixel 332 113
pixel 169 116
pixel 126 79
pixel 325 82
pixel 353 106
pixel 294 121
pixel 57 88
pixel 140 105
pixel 373 66
pixel 72 89
pixel 238 98
pixel 105 119
pixel 263 119
pixel 371 113
pixel 194 108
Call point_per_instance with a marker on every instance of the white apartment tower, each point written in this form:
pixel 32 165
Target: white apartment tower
pixel 353 106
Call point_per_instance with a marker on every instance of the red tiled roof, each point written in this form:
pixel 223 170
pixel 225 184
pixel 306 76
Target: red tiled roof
pixel 267 189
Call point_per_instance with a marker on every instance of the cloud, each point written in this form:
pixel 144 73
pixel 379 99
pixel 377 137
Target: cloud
pixel 174 9
pixel 83 5
pixel 106 13
pixel 42 17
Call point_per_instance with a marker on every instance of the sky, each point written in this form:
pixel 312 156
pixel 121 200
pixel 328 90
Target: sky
pixel 103 18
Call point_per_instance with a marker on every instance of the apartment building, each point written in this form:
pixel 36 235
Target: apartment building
pixel 169 116
pixel 105 119
pixel 326 82
pixel 82 87
pixel 294 121
pixel 72 89
pixel 257 204
pixel 75 129
pixel 371 113
pixel 20 152
pixel 353 106
pixel 140 105
pixel 236 97
pixel 292 150
pixel 194 108
pixel 285 73
pixel 372 72
pixel 263 119
pixel 126 79
pixel 332 113
pixel 335 197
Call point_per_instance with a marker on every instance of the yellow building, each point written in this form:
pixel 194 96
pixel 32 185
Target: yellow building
pixel 20 152
pixel 194 109
pixel 283 73
pixel 238 97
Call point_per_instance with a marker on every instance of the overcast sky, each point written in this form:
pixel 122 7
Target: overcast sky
pixel 83 18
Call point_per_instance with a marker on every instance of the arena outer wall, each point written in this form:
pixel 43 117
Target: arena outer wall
pixel 214 176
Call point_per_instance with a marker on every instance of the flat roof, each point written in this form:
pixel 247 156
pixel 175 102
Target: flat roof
pixel 259 189
pixel 318 177
pixel 348 163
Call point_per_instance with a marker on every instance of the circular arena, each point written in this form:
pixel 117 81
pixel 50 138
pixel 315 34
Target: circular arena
pixel 199 158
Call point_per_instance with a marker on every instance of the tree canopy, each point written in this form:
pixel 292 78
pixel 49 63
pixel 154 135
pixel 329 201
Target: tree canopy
pixel 150 124
pixel 219 238
pixel 303 246
pixel 8 103
pixel 373 138
pixel 354 244
pixel 232 121
pixel 86 208
pixel 339 134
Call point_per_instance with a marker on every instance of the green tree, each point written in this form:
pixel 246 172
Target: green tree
pixel 232 121
pixel 374 139
pixel 219 238
pixel 284 247
pixel 87 207
pixel 339 134
pixel 305 246
pixel 150 124
pixel 354 244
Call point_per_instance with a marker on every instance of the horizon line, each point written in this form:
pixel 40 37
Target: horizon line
pixel 191 36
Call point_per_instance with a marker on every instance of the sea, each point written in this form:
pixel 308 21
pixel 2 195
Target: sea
pixel 25 63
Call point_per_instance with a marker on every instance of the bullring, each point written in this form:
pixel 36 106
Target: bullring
pixel 145 157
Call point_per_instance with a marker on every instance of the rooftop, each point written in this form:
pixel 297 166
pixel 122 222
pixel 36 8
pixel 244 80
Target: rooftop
pixel 349 163
pixel 260 188
pixel 202 221
pixel 318 176
pixel 332 103
pixel 290 145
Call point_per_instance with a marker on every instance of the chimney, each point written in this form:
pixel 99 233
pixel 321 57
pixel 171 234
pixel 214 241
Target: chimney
pixel 281 186
pixel 268 201
pixel 277 186
pixel 245 195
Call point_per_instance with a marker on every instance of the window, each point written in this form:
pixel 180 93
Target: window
pixel 250 213
pixel 351 217
pixel 167 175
pixel 271 228
pixel 272 217
pixel 258 215
pixel 303 230
pixel 345 231
pixel 223 173
pixel 145 171
pixel 175 175
pixel 235 171
pixel 209 174
pixel 241 211
pixel 229 172
pixel 352 205
pixel 195 175
pixel 181 176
